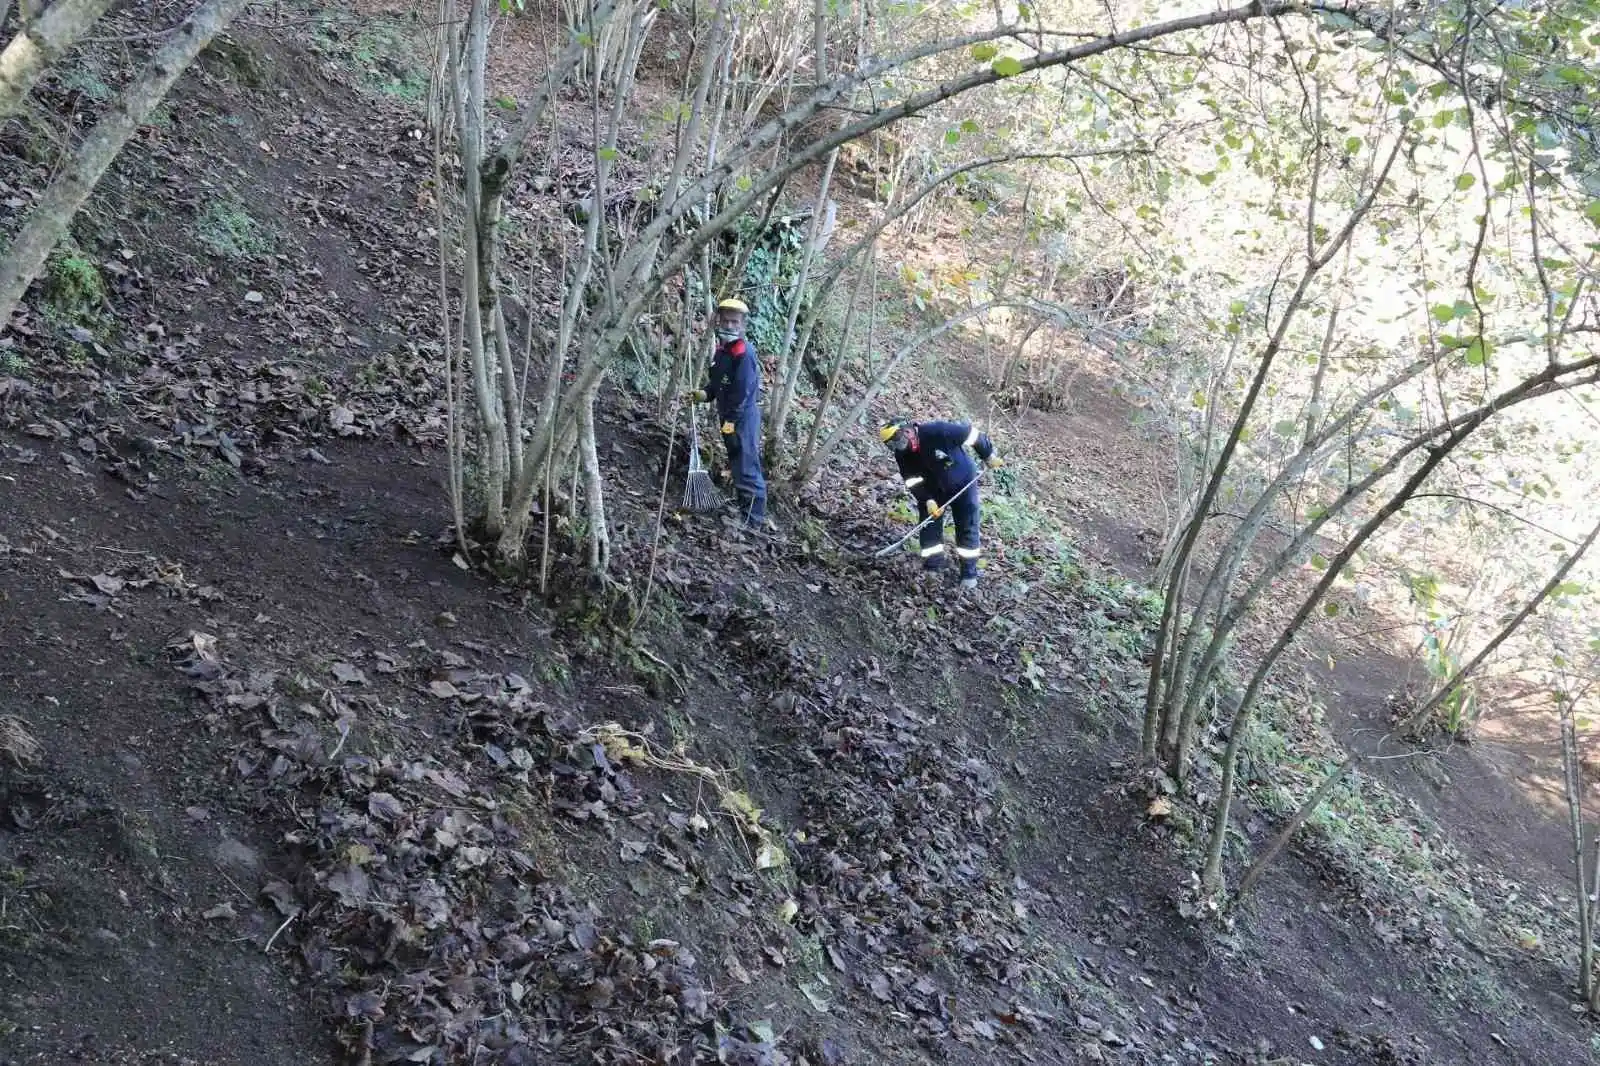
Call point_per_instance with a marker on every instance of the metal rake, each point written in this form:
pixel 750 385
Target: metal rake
pixel 699 491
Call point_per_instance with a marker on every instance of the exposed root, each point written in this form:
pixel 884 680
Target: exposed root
pixel 624 745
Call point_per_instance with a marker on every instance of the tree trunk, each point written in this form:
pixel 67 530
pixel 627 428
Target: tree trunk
pixel 38 44
pixel 53 213
pixel 1573 779
pixel 1559 378
pixel 808 454
pixel 1460 676
pixel 1301 816
pixel 1212 877
pixel 594 504
pixel 790 356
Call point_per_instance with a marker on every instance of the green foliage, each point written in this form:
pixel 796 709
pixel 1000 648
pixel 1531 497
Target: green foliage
pixel 768 278
pixel 227 229
pixel 1458 710
pixel 381 49
pixel 74 290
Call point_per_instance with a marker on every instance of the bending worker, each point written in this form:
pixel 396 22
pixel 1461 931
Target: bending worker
pixel 938 471
pixel 735 385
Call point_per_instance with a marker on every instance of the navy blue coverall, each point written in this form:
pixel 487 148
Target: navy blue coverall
pixel 935 467
pixel 735 387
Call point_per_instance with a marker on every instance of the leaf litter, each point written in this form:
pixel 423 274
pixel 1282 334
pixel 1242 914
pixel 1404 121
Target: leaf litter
pixel 428 905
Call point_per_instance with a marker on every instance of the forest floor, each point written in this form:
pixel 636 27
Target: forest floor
pixel 309 791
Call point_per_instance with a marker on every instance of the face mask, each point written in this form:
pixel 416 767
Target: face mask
pixel 725 335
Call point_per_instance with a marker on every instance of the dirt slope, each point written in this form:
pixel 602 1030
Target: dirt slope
pixel 311 793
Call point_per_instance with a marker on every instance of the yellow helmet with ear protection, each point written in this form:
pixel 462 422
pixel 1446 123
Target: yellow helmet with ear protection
pixel 893 432
pixel 733 303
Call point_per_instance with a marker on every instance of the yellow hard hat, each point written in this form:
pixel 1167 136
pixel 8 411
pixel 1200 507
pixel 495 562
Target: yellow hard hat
pixel 887 431
pixel 733 304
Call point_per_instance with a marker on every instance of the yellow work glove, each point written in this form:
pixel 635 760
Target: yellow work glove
pixel 994 462
pixel 934 510
pixel 695 396
pixel 727 429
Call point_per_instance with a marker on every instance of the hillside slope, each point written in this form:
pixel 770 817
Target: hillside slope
pixel 310 792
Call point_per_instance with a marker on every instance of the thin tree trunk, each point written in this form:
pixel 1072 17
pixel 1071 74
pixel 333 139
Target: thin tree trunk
pixel 808 453
pixel 38 44
pixel 1301 816
pixel 1172 701
pixel 1212 877
pixel 1574 789
pixel 1558 378
pixel 449 336
pixel 819 41
pixel 1594 907
pixel 1421 714
pixel 593 489
pixel 790 356
pixel 53 213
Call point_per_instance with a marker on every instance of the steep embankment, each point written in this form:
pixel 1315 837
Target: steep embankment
pixel 309 791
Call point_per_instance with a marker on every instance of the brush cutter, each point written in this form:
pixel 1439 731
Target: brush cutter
pixel 879 554
pixel 699 491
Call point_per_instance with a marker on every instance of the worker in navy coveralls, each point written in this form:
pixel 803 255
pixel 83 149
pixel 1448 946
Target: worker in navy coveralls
pixel 735 385
pixel 938 470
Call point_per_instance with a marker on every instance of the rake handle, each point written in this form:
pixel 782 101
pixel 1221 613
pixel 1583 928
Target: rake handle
pixel 920 525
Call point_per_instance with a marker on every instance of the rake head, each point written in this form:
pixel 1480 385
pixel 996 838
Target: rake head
pixel 699 491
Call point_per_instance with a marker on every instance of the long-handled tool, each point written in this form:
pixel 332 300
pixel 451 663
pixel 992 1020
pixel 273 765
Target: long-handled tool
pixel 699 491
pixel 919 526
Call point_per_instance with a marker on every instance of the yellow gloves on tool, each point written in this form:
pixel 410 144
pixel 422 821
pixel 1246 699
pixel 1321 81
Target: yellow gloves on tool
pixel 727 429
pixel 695 396
pixel 994 462
pixel 934 510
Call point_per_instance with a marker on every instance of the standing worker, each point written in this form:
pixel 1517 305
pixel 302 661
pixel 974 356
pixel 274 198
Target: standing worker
pixel 735 385
pixel 938 471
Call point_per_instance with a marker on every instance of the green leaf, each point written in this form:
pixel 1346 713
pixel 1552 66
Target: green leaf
pixel 1442 313
pixel 1207 178
pixel 1330 608
pixel 607 154
pixel 1592 212
pixel 969 126
pixel 1352 145
pixel 1286 428
pixel 1477 352
pixel 1236 307
pixel 952 136
pixel 984 52
pixel 1465 182
pixel 1007 66
pixel 1198 398
pixel 1318 563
